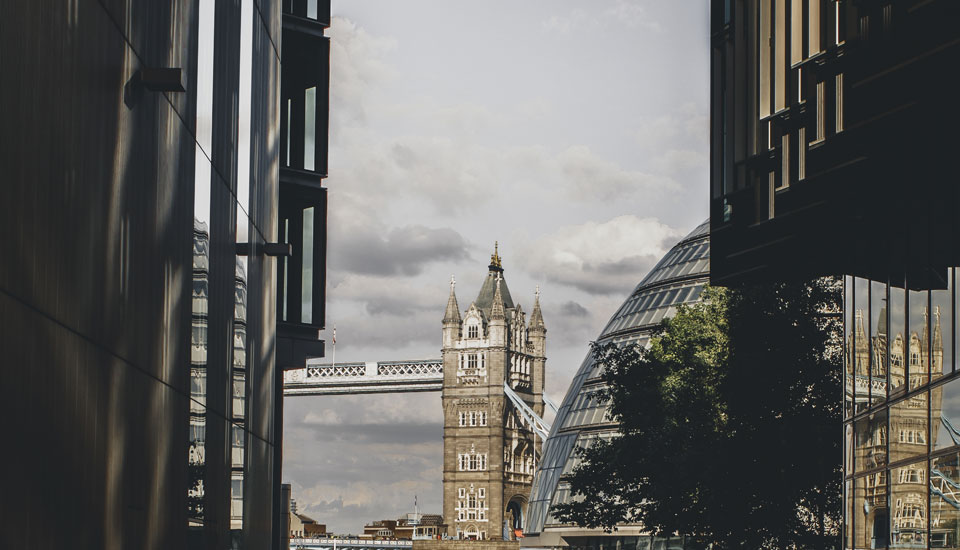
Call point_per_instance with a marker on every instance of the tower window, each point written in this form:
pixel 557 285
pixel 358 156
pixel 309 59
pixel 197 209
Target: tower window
pixel 473 331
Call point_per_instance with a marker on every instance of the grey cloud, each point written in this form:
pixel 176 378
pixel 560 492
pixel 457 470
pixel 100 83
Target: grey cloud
pixel 385 434
pixel 574 309
pixel 403 251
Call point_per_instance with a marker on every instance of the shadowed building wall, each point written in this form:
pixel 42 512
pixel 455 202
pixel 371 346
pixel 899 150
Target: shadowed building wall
pixel 138 379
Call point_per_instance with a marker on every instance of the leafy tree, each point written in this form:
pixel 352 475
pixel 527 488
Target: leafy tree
pixel 728 424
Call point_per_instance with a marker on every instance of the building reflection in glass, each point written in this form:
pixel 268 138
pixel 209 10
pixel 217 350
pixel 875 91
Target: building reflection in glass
pixel 902 434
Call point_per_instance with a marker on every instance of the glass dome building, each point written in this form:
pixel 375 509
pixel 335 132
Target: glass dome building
pixel 678 278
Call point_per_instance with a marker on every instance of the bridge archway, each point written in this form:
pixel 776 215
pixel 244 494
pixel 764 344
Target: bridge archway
pixel 514 519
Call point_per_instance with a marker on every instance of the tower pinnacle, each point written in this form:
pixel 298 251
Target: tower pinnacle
pixel 536 316
pixel 452 314
pixel 497 312
pixel 495 263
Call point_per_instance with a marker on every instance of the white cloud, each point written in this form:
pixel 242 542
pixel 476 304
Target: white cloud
pixel 601 258
pixel 357 66
pixel 589 176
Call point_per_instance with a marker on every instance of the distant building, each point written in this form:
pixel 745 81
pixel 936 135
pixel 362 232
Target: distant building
pixel 678 278
pixel 303 526
pixel 488 452
pixel 412 527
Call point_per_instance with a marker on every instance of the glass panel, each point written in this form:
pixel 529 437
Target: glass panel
pixel 796 31
pixel 945 502
pixel 908 427
pixel 878 341
pixel 861 349
pixel 872 519
pixel 201 239
pixel 306 295
pixel 289 110
pixel 945 415
pixel 848 507
pixel 780 54
pixel 898 322
pixel 908 506
pixel 848 446
pixel 941 338
pixel 312 9
pixel 764 47
pixel 813 27
pixel 869 512
pixel 871 441
pixel 918 344
pixel 309 127
pixel 849 392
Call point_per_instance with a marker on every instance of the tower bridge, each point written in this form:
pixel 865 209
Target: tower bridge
pixel 491 377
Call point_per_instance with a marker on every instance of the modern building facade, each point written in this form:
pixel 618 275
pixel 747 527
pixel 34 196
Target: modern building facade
pixel 901 416
pixel 831 153
pixel 150 202
pixel 831 149
pixel 488 451
pixel 678 278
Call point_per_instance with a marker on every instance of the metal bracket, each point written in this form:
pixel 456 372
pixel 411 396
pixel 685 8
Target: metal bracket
pixel 268 249
pixel 162 80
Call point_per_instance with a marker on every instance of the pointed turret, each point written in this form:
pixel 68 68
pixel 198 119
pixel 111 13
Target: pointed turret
pixel 453 310
pixel 937 333
pixel 537 331
pixel 497 308
pixel 451 318
pixel 936 347
pixel 498 318
pixel 536 317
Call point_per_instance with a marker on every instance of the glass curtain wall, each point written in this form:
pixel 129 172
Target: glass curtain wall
pixel 902 407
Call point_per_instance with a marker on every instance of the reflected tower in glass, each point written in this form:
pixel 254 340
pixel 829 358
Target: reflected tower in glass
pixel 582 419
pixel 901 416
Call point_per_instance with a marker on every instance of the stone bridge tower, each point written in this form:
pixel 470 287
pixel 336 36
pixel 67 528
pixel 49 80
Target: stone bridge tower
pixel 489 455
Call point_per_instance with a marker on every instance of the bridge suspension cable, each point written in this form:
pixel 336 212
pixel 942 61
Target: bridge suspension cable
pixel 538 425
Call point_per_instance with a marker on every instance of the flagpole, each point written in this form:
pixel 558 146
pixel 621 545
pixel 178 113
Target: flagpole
pixel 334 345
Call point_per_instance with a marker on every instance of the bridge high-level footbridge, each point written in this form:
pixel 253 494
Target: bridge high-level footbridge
pixel 365 377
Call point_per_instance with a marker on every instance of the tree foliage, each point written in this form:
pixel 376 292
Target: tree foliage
pixel 728 424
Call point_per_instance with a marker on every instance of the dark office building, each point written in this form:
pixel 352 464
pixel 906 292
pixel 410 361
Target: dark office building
pixel 163 259
pixel 833 140
pixel 832 153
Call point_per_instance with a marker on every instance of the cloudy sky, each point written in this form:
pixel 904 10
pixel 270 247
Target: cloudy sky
pixel 574 133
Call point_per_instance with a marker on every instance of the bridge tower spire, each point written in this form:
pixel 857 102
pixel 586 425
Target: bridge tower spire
pixel 489 453
pixel 451 317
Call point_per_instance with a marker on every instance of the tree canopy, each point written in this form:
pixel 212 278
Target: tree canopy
pixel 729 423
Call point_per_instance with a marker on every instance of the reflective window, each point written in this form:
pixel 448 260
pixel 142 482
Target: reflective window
pixel 871 518
pixel 945 501
pixel 908 506
pixel 945 415
pixel 878 342
pixel 908 427
pixel 871 441
pixel 898 344
pixel 848 515
pixel 850 389
pixel 918 343
pixel 941 337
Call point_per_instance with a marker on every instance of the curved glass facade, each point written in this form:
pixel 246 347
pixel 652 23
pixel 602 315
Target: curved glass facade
pixel 678 278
